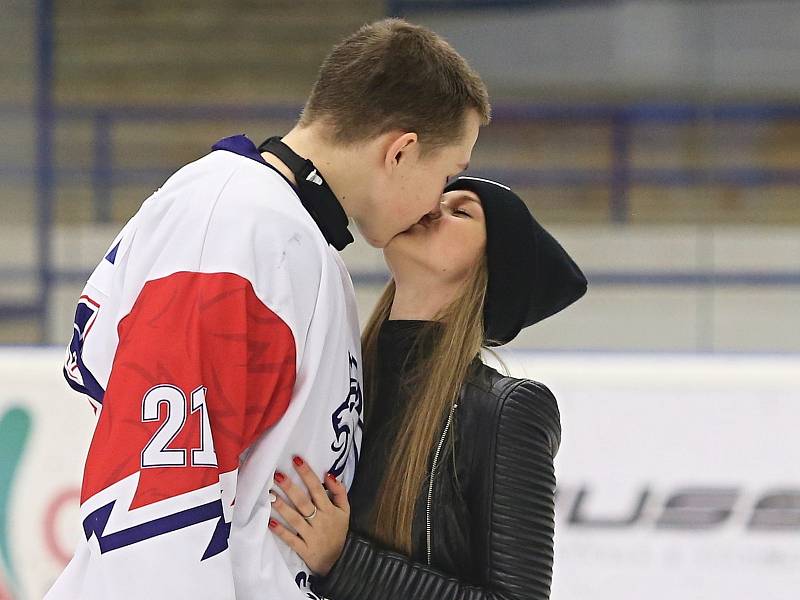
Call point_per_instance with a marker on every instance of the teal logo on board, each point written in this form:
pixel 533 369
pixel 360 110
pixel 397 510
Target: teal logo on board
pixel 15 428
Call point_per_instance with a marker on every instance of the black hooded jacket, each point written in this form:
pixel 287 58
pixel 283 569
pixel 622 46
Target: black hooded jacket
pixel 484 529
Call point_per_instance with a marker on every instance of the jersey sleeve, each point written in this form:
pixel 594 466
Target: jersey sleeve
pixel 202 367
pixel 207 355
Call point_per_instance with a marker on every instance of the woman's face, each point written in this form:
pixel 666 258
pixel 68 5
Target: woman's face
pixel 440 249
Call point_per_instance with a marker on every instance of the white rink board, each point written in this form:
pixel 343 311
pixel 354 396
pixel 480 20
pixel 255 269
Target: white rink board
pixel 641 430
pixel 638 430
pixel 42 504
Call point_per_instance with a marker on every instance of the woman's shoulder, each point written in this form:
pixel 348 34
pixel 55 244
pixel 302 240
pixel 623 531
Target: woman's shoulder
pixel 511 398
pixel 490 381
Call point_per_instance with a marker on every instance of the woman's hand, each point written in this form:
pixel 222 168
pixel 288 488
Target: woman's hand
pixel 320 521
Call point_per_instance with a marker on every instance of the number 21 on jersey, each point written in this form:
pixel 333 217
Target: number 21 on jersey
pixel 157 452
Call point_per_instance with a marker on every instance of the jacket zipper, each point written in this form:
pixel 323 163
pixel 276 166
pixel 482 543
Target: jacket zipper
pixel 430 484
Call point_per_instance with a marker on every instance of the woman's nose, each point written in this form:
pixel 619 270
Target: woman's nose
pixel 436 212
pixel 430 218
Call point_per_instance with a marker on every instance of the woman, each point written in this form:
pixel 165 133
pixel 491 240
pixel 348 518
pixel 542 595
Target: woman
pixel 454 493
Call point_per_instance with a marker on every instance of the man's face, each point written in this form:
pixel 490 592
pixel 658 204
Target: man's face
pixel 413 188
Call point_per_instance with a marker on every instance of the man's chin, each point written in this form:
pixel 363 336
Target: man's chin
pixel 400 235
pixel 373 241
pixel 405 233
pixel 397 240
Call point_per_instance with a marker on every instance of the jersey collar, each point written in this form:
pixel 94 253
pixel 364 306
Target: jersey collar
pixel 330 218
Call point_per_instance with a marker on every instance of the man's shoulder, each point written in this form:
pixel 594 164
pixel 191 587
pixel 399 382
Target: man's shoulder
pixel 259 194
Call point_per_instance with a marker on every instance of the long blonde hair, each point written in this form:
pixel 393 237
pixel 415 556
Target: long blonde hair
pixel 438 376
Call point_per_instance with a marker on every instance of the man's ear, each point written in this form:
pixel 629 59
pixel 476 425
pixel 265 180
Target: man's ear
pixel 399 147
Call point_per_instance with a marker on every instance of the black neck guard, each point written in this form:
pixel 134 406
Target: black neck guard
pixel 315 194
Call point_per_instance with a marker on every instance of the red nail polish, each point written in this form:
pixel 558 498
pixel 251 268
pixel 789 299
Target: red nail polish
pixel 330 476
pixel 279 477
pixel 273 523
pixel 298 461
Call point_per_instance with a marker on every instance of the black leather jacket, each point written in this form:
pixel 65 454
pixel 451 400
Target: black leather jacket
pixel 491 514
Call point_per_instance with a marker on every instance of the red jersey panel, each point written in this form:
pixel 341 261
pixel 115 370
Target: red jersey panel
pixel 195 346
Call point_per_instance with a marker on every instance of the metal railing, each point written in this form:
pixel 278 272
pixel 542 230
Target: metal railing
pixel 104 173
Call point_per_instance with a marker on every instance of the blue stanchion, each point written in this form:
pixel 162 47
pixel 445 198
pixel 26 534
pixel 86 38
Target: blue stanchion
pixel 44 159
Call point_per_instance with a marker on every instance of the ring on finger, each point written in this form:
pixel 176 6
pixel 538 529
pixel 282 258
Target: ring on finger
pixel 311 516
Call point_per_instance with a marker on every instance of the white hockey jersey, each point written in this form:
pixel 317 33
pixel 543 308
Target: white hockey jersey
pixel 218 337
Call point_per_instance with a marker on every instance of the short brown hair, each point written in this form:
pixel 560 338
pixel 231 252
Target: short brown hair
pixel 394 75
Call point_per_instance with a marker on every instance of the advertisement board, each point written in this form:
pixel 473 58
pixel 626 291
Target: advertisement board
pixel 678 475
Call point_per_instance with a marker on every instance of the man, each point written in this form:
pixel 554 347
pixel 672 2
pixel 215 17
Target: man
pixel 219 337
